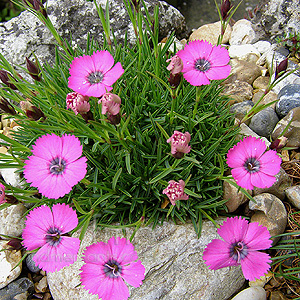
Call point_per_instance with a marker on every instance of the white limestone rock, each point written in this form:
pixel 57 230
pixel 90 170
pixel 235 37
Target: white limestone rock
pixel 242 33
pixel 251 293
pixel 244 52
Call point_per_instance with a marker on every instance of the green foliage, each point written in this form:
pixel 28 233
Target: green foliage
pixel 9 11
pixel 130 164
pixel 290 41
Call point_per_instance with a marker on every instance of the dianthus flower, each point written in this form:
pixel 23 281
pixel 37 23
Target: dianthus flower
pixel 46 229
pixel 203 62
pixel 55 166
pixel 240 247
pixel 106 267
pixel 176 65
pixel 93 75
pixel 175 191
pixel 78 103
pixel 2 193
pixel 252 166
pixel 179 143
pixel 110 104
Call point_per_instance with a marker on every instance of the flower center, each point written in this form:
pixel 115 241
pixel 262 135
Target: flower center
pixel 112 269
pixel 238 251
pixel 53 236
pixel 95 77
pixel 202 65
pixel 252 165
pixel 57 166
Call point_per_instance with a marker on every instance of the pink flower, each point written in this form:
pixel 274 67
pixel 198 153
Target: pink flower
pixel 240 247
pixel 203 62
pixel 93 75
pixel 110 104
pixel 179 143
pixel 176 65
pixel 55 166
pixel 106 267
pixel 78 103
pixel 2 193
pixel 175 191
pixel 45 229
pixel 252 166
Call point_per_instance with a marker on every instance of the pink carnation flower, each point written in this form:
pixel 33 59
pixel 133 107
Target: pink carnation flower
pixel 94 75
pixel 106 267
pixel 55 166
pixel 252 166
pixel 203 62
pixel 46 229
pixel 175 191
pixel 78 103
pixel 2 193
pixel 176 65
pixel 240 247
pixel 179 142
pixel 110 104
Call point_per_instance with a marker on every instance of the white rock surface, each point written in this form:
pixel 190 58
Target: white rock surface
pixel 251 293
pixel 172 256
pixel 262 46
pixel 246 52
pixel 8 260
pixel 11 177
pixel 242 33
pixel 12 221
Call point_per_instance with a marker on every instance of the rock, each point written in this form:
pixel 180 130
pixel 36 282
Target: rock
pixel 234 196
pixel 23 35
pixel 293 132
pixel 244 52
pixel 243 71
pixel 172 256
pixel 8 261
pixel 246 131
pixel 269 212
pixel 242 33
pixel 238 91
pixel 31 264
pixel 264 122
pixel 293 194
pixel 12 177
pixel 251 293
pixel 276 18
pixel 262 280
pixel 277 295
pixel 289 98
pixel 11 220
pixel 18 287
pixel 210 33
pixel 42 285
pixel 268 98
pixel 241 109
pixel 283 181
pixel 262 46
pixel 261 82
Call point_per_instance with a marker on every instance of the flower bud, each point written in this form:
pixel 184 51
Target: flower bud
pixel 6 80
pixel 31 111
pixel 39 7
pixel 175 191
pixel 15 244
pixel 281 68
pixel 225 7
pixel 176 65
pixel 6 106
pixel 78 103
pixel 2 193
pixel 111 106
pixel 278 143
pixel 174 80
pixel 33 69
pixel 11 199
pixel 179 143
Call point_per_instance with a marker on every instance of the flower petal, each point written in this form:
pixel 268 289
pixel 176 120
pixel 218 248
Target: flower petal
pixel 242 178
pixel 262 180
pixel 219 56
pixel 270 163
pixel 217 73
pixel 134 273
pixel 102 61
pixel 257 237
pixel 111 76
pixel 64 217
pixel 71 148
pixel 196 78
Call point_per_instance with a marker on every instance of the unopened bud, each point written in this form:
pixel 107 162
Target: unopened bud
pixel 281 68
pixel 6 106
pixel 2 193
pixel 4 77
pixel 31 111
pixel 225 7
pixel 15 244
pixel 278 143
pixel 11 199
pixel 33 69
pixel 174 80
pixel 39 7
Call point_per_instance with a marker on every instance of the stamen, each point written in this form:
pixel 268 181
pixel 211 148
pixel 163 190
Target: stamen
pixel 57 166
pixel 252 165
pixel 95 77
pixel 202 65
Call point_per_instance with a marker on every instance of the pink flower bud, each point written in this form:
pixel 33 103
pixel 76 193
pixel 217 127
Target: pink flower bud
pixel 2 193
pixel 176 65
pixel 175 191
pixel 225 7
pixel 110 104
pixel 5 78
pixel 78 103
pixel 32 112
pixel 179 143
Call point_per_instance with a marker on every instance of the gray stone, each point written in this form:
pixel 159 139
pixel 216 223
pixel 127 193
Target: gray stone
pixel 11 220
pixel 289 98
pixel 17 287
pixel 31 264
pixel 238 91
pixel 264 122
pixel 261 82
pixel 269 212
pixel 25 34
pixel 8 264
pixel 283 181
pixel 251 293
pixel 268 98
pixel 246 131
pixel 293 132
pixel 293 195
pixel 240 109
pixel 242 33
pixel 172 256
